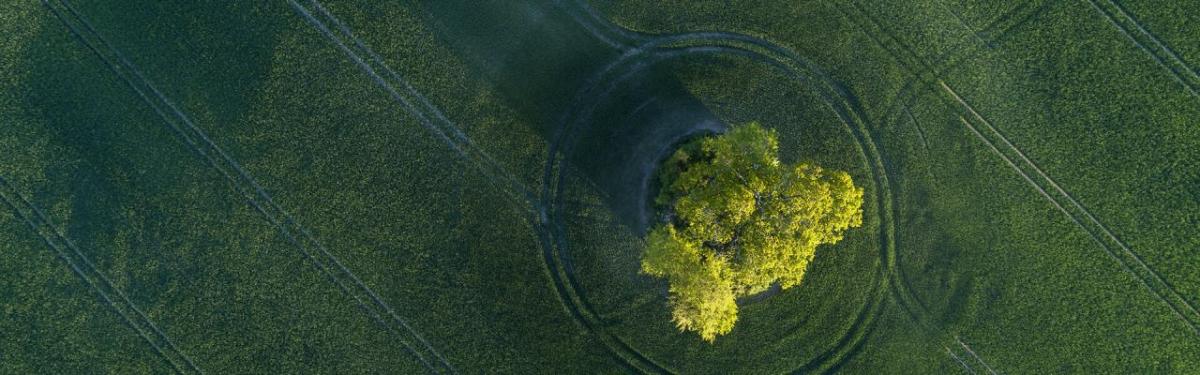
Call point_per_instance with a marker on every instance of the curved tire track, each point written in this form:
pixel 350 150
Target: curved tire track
pixel 925 75
pixel 601 27
pixel 757 49
pixel 1149 278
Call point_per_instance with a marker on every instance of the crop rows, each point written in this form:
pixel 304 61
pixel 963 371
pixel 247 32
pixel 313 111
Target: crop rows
pixel 1162 54
pixel 412 101
pixel 960 361
pixel 923 74
pixel 700 43
pixel 1129 260
pixel 240 181
pixel 438 124
pixel 86 270
pixel 1084 219
pixel 974 358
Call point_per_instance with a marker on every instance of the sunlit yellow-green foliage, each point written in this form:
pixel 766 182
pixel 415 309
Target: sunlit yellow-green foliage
pixel 738 221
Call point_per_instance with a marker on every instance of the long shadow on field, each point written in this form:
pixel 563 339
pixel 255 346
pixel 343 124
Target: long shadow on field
pixel 539 58
pixel 99 119
pixel 121 162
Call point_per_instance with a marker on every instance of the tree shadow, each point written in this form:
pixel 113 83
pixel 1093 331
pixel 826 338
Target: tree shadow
pixel 540 57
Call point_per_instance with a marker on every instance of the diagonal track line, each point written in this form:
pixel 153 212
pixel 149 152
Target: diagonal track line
pixel 960 361
pixel 972 353
pixel 240 181
pixel 1074 219
pixel 1150 278
pixel 428 110
pixel 925 74
pixel 414 103
pixel 1147 42
pixel 1129 259
pixel 967 25
pixel 82 266
pixel 593 29
pixel 600 26
pixel 920 133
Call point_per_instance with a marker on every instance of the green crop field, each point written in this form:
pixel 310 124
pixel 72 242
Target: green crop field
pixel 353 186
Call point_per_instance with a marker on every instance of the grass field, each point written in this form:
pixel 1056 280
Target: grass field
pixel 355 186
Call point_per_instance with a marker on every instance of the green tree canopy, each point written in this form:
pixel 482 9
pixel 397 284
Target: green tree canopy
pixel 736 221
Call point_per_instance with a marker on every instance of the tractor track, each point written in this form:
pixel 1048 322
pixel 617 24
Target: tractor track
pixel 563 281
pixel 87 271
pixel 927 75
pixel 966 26
pixel 594 21
pixel 900 291
pixel 429 116
pixel 462 145
pixel 1162 54
pixel 588 22
pixel 924 76
pixel 558 262
pixel 976 356
pixel 1161 290
pixel 643 45
pixel 428 108
pixel 645 54
pixel 554 254
pixel 237 177
pixel 1131 262
pixel 920 132
pixel 960 361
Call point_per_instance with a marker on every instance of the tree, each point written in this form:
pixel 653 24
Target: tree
pixel 736 220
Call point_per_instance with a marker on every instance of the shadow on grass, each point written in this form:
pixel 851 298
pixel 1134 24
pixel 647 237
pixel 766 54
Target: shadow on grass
pixel 114 138
pixel 120 160
pixel 540 58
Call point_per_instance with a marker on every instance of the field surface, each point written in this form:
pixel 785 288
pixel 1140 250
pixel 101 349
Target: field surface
pixel 354 186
